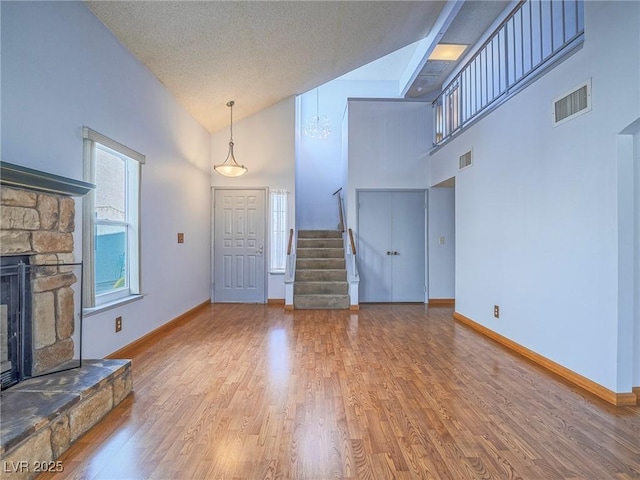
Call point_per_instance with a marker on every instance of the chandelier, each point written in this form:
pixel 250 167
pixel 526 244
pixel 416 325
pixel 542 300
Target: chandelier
pixel 317 126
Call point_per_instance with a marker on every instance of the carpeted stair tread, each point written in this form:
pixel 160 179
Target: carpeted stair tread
pixel 320 252
pixel 319 243
pixel 320 263
pixel 324 275
pixel 321 288
pixel 320 302
pixel 319 234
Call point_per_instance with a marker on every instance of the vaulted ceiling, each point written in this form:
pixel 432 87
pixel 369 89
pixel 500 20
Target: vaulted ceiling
pixel 258 53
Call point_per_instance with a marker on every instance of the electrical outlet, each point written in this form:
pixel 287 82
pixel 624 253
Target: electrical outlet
pixel 180 237
pixel 496 311
pixel 118 324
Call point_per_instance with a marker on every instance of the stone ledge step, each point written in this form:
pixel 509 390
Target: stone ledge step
pixel 74 400
pixel 320 302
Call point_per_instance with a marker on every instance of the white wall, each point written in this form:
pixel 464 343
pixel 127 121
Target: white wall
pixel 388 147
pixel 536 214
pixel 441 242
pixel 63 69
pixel 320 163
pixel 265 144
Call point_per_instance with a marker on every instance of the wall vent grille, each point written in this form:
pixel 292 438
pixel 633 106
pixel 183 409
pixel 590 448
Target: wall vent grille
pixel 466 160
pixel 572 104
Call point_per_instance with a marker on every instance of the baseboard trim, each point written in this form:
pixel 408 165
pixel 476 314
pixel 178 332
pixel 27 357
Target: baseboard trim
pixel 626 399
pixel 636 391
pixel 128 350
pixel 442 302
pixel 288 307
pixel 618 399
pixel 354 308
pixel 275 301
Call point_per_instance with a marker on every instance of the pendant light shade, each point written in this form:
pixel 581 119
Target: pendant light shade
pixel 230 168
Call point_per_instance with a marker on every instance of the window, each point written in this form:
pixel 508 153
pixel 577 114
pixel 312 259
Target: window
pixel 278 230
pixel 111 221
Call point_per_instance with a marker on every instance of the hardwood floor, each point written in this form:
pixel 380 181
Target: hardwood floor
pixel 392 391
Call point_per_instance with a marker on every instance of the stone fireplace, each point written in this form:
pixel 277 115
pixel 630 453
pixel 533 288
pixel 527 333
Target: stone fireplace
pixel 55 397
pixel 36 245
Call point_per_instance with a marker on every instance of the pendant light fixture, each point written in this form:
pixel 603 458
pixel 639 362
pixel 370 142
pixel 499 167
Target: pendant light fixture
pixel 317 126
pixel 230 168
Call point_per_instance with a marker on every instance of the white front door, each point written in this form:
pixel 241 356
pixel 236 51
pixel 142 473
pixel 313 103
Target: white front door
pixel 239 245
pixel 391 246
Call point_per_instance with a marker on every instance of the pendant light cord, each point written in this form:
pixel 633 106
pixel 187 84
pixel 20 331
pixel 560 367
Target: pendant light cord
pixel 230 104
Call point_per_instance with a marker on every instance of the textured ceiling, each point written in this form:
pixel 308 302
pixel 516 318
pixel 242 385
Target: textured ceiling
pixel 258 53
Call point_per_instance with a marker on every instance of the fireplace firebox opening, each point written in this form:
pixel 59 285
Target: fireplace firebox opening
pixel 15 320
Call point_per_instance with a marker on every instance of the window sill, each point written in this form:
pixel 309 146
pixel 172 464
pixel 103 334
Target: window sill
pixel 87 312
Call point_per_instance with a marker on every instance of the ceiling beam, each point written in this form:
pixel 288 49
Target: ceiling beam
pixel 427 44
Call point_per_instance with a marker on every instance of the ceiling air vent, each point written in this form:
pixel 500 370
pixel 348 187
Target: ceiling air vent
pixel 465 160
pixel 572 104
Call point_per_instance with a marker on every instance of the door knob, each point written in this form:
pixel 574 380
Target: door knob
pixel 396 253
pixel 389 253
pixel 259 251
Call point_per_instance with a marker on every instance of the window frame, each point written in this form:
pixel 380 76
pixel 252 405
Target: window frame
pixel 278 230
pixel 94 141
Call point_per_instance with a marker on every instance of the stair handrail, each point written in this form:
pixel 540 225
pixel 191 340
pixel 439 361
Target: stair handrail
pixel 353 244
pixel 290 241
pixel 290 271
pixel 341 225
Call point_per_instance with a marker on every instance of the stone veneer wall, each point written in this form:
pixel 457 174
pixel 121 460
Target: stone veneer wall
pixel 41 225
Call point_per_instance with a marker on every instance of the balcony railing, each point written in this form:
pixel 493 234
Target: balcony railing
pixel 534 34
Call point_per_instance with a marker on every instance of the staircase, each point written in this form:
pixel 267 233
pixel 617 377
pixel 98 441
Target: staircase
pixel 321 276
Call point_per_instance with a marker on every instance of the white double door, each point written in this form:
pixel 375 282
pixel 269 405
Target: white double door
pixel 391 245
pixel 239 245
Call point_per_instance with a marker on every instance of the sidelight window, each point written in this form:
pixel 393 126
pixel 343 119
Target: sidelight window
pixel 278 230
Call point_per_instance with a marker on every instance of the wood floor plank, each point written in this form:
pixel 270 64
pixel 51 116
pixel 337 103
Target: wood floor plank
pixel 392 391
